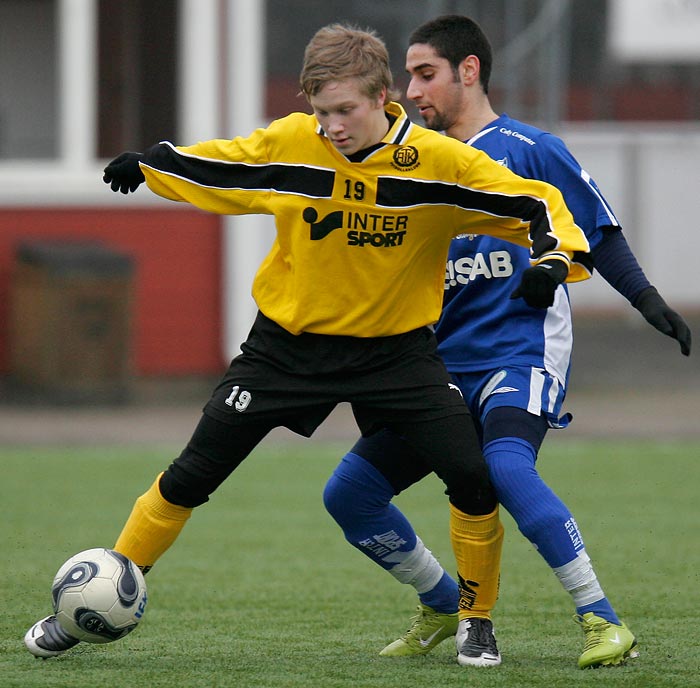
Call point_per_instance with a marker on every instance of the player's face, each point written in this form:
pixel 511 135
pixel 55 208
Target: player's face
pixel 434 88
pixel 352 121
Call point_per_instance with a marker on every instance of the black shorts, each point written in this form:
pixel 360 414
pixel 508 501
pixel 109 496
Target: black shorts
pixel 296 381
pixel 281 379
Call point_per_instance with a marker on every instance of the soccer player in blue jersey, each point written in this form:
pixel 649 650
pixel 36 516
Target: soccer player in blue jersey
pixel 511 362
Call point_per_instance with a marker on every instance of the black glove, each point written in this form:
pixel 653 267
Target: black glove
pixel 657 313
pixel 539 283
pixel 124 173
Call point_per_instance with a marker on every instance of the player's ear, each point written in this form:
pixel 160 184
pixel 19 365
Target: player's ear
pixel 469 69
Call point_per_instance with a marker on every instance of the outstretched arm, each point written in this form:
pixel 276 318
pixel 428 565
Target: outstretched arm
pixel 618 266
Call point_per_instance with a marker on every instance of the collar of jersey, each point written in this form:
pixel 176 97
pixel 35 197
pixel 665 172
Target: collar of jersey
pixel 488 129
pixel 398 131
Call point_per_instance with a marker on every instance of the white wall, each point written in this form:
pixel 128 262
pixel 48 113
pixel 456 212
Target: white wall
pixel 650 176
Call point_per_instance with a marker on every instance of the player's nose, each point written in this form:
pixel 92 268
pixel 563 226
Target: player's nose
pixel 413 92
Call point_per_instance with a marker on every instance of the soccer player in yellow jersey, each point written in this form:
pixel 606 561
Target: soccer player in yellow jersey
pixel 365 204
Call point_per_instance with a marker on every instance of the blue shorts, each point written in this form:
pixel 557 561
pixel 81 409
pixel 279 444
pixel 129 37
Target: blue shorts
pixel 531 389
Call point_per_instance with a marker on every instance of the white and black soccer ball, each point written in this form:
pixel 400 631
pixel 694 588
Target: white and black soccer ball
pixel 99 595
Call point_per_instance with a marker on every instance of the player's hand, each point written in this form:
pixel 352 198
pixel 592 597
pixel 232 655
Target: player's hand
pixel 123 173
pixel 539 283
pixel 658 313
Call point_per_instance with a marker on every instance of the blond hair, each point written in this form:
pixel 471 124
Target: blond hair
pixel 339 51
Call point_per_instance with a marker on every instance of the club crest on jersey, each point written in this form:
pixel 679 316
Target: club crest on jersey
pixel 377 230
pixel 405 158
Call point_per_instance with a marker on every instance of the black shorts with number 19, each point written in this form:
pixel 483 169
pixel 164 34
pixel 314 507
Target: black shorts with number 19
pixel 280 379
pixel 297 380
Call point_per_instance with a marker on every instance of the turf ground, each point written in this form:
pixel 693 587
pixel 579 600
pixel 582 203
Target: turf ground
pixel 261 590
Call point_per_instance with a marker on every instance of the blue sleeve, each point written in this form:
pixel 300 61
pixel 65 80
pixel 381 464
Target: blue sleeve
pixel 618 266
pixel 611 254
pixel 583 197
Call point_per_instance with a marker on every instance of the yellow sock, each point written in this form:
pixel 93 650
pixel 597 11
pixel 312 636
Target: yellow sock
pixel 477 542
pixel 151 528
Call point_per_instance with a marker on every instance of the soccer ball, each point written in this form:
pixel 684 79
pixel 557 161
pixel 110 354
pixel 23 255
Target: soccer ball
pixel 99 595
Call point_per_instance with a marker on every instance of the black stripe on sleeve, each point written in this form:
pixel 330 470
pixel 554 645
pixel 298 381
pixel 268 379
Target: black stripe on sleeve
pixel 217 174
pixel 403 193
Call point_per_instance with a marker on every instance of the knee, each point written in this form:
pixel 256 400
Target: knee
pixel 356 490
pixel 469 489
pixel 471 492
pixel 522 491
pixel 508 477
pixel 336 497
pixel 511 467
pixel 181 489
pixel 346 501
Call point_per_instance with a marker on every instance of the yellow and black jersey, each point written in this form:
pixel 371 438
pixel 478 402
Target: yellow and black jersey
pixel 361 246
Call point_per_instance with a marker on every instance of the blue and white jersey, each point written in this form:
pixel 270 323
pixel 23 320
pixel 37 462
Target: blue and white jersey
pixel 481 327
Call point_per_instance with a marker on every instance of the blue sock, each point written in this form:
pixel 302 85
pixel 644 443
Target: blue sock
pixel 444 597
pixel 600 608
pixel 541 516
pixel 359 498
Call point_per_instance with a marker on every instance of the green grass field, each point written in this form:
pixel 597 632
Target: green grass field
pixel 262 590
